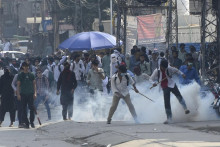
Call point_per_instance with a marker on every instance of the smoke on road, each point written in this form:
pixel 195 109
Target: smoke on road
pixel 96 107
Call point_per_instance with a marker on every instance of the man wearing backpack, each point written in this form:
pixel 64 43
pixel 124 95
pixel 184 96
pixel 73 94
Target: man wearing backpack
pixel 119 84
pixel 48 72
pixel 78 68
pixel 164 77
pixel 57 68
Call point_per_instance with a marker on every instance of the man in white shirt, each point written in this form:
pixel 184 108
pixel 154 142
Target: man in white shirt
pixel 57 68
pixel 164 78
pixel 182 52
pixel 78 68
pixel 7 45
pixel 140 77
pixel 116 60
pixel 119 84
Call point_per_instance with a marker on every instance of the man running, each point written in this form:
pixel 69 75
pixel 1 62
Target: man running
pixel 67 83
pixel 164 74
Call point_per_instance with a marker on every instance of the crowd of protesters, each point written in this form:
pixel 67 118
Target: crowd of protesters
pixel 29 81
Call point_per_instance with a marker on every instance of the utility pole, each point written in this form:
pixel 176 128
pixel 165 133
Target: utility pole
pixel 218 39
pixel 172 24
pixel 44 9
pixel 125 27
pixel 43 38
pixel 111 29
pixel 17 9
pixel 101 27
pixel 81 18
pixel 75 17
pixel 118 23
pixel 55 26
pixel 35 11
pixel 203 36
pixel 1 19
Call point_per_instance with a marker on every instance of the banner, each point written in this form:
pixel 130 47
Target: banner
pixel 150 29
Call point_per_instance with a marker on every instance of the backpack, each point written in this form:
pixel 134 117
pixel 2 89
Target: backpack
pixel 127 78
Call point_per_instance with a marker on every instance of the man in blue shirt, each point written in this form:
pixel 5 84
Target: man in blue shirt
pixel 190 72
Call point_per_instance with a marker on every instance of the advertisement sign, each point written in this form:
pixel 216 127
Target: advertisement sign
pixel 150 29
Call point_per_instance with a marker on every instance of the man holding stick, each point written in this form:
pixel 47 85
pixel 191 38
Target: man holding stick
pixel 119 84
pixel 164 75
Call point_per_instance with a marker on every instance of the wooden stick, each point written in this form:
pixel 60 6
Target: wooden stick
pixel 38 118
pixel 144 96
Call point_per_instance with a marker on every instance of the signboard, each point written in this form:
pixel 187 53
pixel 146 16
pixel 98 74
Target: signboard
pixel 150 29
pixel 46 23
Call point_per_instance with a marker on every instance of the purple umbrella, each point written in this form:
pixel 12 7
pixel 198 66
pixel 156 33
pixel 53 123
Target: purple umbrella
pixel 88 41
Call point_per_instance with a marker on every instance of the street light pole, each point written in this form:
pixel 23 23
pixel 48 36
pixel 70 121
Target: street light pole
pixel 17 8
pixel 35 11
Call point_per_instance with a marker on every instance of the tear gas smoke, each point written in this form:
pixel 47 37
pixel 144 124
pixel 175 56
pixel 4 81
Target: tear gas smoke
pixel 95 107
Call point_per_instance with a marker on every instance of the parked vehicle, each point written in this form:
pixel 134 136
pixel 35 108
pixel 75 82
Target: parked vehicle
pixel 22 45
pixel 12 54
pixel 216 92
pixel 212 86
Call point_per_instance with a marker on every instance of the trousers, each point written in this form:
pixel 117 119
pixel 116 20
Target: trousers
pixel 115 101
pixel 27 100
pixel 176 92
pixel 46 104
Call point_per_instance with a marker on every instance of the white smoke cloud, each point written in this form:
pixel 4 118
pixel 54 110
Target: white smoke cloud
pixel 97 108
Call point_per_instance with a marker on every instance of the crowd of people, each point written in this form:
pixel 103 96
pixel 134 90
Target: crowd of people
pixel 29 81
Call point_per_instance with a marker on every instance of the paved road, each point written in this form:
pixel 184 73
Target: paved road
pixel 118 134
pixel 58 133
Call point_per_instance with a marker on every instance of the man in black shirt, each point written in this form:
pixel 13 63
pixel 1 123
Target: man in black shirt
pixel 67 83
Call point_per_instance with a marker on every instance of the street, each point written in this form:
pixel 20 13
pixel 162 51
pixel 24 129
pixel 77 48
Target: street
pixel 58 133
pixel 118 134
pixel 88 128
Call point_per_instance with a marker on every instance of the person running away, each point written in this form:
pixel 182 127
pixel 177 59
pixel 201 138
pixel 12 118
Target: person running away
pixel 67 83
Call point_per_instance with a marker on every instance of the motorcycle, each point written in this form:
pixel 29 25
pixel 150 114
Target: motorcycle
pixel 216 102
pixel 215 90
